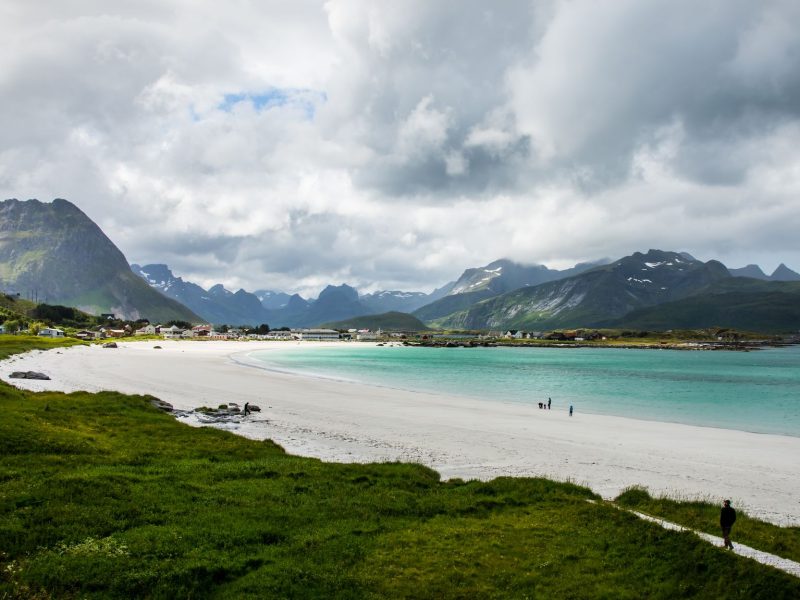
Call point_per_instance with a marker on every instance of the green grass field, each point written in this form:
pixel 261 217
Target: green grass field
pixel 103 496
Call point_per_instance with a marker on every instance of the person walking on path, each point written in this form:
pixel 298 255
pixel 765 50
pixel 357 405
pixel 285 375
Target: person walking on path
pixel 570 410
pixel 727 517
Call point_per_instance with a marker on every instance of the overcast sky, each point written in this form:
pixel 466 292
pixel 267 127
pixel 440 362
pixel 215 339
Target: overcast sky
pixel 390 145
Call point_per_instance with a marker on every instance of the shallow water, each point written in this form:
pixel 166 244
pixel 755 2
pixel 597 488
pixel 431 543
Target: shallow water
pixel 755 391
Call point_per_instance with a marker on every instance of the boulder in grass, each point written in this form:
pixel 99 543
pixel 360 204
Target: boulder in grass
pixel 28 375
pixel 110 345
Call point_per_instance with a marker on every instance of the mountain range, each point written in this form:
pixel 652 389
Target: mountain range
pixel 55 253
pixel 595 295
pixel 216 305
pixel 782 273
pixel 657 290
pixel 335 303
pixel 502 294
pixel 494 279
pixel 749 304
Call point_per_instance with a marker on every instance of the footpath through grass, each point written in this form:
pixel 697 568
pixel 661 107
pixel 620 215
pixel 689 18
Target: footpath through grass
pixel 704 516
pixel 102 495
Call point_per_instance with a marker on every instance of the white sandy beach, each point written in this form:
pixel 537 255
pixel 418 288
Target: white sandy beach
pixel 459 437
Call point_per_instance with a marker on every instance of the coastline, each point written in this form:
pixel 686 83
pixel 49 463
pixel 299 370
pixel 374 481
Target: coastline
pixel 346 421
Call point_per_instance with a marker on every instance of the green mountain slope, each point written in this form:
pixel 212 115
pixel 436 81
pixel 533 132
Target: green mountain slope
pixel 451 304
pixel 496 278
pixel 595 296
pixel 749 304
pixel 390 321
pixel 55 253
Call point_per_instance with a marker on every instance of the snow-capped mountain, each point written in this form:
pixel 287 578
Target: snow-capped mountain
pixel 271 299
pixel 597 295
pixel 216 305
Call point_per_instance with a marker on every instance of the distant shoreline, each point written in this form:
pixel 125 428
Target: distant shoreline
pixel 741 346
pixel 459 437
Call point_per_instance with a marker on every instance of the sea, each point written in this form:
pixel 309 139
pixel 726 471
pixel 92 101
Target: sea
pixel 756 391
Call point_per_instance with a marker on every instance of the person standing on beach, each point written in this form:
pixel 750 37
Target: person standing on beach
pixel 570 410
pixel 727 518
pixel 246 408
pixel 549 402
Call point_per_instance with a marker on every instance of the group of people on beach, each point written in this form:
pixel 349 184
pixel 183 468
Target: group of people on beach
pixel 549 404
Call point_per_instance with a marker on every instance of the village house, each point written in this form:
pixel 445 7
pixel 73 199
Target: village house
pixel 316 335
pixel 202 330
pixel 171 333
pixel 218 335
pixel 560 335
pixel 513 334
pixel 279 335
pixel 148 330
pixel 51 332
pixel 85 334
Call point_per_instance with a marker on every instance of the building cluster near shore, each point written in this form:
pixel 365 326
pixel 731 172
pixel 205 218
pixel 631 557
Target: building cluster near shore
pixel 173 332
pixel 208 332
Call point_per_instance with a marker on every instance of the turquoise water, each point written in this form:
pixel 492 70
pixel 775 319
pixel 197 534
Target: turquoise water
pixel 751 391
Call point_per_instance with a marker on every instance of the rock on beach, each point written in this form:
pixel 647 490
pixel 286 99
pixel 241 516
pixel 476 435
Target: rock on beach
pixel 28 375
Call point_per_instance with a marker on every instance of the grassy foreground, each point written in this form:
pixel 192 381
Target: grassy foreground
pixel 103 496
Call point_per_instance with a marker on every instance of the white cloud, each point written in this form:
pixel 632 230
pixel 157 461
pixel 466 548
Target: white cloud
pixel 423 132
pixel 289 145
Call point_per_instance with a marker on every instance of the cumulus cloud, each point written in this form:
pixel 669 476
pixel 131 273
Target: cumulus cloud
pixel 291 145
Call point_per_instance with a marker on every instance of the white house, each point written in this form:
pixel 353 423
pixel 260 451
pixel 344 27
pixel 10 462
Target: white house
pixel 279 335
pixel 367 336
pixel 51 332
pixel 148 330
pixel 171 333
pixel 317 335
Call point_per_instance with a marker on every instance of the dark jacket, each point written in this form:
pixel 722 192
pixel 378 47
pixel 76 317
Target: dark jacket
pixel 727 516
